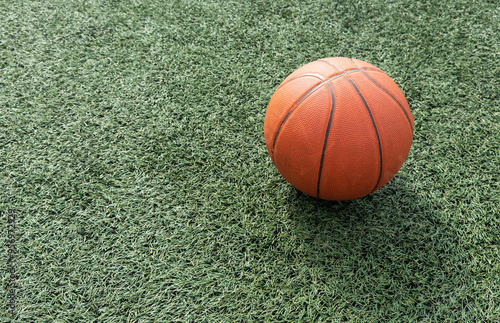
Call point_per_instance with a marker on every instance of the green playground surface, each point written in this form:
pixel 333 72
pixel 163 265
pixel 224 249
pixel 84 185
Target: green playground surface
pixel 135 184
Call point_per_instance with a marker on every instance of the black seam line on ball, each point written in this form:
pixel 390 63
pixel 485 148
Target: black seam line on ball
pixel 374 126
pixel 356 64
pixel 331 64
pixel 383 89
pixel 321 77
pixel 326 138
pixel 296 104
pixel 386 91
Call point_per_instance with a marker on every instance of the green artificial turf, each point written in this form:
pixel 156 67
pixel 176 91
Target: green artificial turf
pixel 135 184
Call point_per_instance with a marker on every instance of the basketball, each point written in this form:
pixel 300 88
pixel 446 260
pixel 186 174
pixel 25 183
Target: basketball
pixel 338 128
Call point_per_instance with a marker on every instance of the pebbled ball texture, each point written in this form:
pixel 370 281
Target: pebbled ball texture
pixel 338 128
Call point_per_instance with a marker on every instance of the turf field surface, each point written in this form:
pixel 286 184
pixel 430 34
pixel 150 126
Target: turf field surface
pixel 135 185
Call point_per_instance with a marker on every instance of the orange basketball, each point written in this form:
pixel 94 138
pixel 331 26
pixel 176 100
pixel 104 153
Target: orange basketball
pixel 338 128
